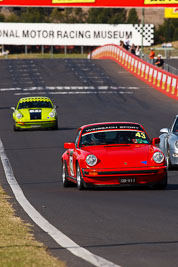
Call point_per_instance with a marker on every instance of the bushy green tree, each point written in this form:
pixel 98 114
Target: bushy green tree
pixel 12 18
pixel 34 15
pixel 167 32
pixel 175 36
pixel 68 15
pixel 2 17
pixel 106 15
pixel 133 17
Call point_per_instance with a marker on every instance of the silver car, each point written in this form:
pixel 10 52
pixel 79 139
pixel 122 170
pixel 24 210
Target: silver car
pixel 169 144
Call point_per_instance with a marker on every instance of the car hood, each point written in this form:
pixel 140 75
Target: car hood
pixel 123 155
pixel 44 112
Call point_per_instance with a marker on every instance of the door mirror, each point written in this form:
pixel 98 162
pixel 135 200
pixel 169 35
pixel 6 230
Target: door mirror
pixel 155 141
pixel 13 108
pixel 165 130
pixel 69 145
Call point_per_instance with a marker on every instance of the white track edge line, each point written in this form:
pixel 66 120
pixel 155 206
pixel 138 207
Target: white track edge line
pixel 52 231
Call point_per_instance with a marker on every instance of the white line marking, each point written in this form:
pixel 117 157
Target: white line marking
pixel 76 93
pixel 56 234
pixel 39 88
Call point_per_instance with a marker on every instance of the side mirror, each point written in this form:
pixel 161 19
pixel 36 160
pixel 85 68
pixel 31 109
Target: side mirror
pixel 165 130
pixel 69 145
pixel 13 108
pixel 55 106
pixel 155 141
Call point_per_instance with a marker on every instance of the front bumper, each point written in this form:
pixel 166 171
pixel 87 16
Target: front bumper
pixel 125 177
pixel 174 157
pixel 35 124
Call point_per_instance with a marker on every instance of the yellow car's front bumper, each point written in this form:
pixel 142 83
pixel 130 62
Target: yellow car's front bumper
pixel 37 124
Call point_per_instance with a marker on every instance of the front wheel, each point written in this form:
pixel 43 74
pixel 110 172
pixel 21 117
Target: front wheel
pixel 162 185
pixel 56 126
pixel 65 182
pixel 168 161
pixel 80 184
pixel 15 128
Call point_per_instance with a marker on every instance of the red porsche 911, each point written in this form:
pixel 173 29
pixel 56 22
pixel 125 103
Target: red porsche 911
pixel 113 154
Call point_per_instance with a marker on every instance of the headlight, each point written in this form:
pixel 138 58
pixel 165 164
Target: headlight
pixel 19 115
pixel 158 157
pixel 52 114
pixel 176 144
pixel 91 160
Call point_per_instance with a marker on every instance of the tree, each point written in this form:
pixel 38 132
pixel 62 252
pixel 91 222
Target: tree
pixel 2 18
pixel 133 17
pixel 12 18
pixel 167 32
pixel 106 15
pixel 34 15
pixel 68 15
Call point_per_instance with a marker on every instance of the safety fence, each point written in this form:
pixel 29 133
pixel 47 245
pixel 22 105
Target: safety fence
pixel 159 79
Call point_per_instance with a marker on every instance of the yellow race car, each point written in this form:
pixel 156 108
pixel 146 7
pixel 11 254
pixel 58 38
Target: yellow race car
pixel 35 112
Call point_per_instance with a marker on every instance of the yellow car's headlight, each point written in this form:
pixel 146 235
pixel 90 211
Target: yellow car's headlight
pixel 19 115
pixel 52 114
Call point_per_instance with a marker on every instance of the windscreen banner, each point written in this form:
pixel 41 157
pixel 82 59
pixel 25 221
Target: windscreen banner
pixel 75 34
pixel 91 3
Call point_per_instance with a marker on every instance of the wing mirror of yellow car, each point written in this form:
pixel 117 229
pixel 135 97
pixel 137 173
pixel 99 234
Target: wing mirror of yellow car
pixel 13 108
pixel 155 141
pixel 69 145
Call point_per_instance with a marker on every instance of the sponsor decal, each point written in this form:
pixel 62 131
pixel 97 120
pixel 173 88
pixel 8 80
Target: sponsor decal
pixel 171 13
pixel 144 162
pixel 158 2
pixel 72 1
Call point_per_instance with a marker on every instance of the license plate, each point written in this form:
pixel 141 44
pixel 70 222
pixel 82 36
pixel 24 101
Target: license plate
pixel 35 126
pixel 127 180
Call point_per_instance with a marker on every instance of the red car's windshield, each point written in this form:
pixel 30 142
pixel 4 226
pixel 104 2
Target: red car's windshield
pixel 114 137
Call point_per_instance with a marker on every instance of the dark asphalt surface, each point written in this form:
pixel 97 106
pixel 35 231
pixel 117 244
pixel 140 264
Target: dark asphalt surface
pixel 130 227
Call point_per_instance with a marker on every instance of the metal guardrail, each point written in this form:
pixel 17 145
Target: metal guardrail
pixel 170 69
pixel 167 67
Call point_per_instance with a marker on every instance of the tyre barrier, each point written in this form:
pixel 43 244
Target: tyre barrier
pixel 165 82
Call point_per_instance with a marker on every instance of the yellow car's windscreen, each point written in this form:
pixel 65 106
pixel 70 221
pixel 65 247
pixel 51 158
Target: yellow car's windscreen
pixel 35 104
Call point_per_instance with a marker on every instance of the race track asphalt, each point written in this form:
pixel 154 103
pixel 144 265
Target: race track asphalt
pixel 129 227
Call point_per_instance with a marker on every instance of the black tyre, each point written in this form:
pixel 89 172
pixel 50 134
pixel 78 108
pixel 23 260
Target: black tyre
pixel 168 161
pixel 65 182
pixel 162 185
pixel 80 184
pixel 56 126
pixel 15 128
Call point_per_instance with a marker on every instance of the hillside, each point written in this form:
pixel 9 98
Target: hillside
pixel 152 15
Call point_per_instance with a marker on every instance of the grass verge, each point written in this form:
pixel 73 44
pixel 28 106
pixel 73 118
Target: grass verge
pixel 18 247
pixel 45 55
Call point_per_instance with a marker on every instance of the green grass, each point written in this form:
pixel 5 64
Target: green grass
pixel 40 55
pixel 173 53
pixel 18 247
